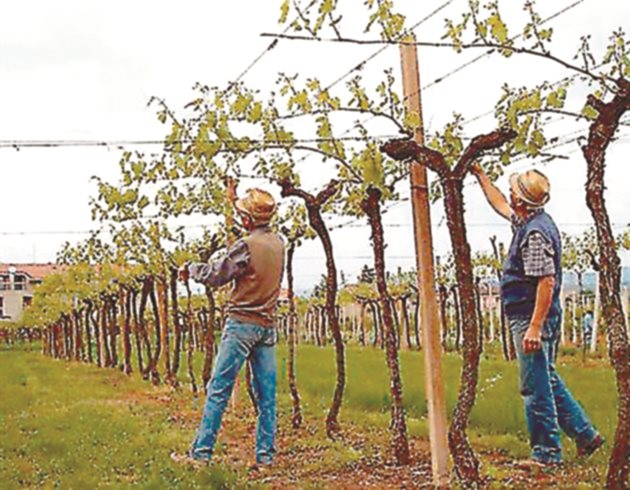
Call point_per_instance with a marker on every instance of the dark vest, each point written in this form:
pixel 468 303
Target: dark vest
pixel 255 295
pixel 518 290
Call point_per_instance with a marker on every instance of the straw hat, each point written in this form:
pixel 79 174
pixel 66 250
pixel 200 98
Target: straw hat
pixel 259 205
pixel 531 187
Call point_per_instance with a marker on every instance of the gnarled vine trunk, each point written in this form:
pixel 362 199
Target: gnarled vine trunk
pixel 600 135
pixel 400 442
pixel 162 299
pixel 313 206
pixel 132 307
pixel 177 349
pixel 88 329
pixel 145 296
pixel 466 463
pixel 208 339
pixel 124 321
pixel 505 335
pixel 296 415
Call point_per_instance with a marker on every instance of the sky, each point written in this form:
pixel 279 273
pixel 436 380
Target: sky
pixel 76 70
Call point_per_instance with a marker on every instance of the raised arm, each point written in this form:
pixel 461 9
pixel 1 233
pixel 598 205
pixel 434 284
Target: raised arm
pixel 494 196
pixel 230 267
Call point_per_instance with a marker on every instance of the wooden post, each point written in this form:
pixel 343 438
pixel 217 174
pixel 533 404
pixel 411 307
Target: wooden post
pixel 230 194
pixel 426 278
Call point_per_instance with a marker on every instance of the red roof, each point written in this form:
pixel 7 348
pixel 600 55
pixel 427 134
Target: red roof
pixel 35 271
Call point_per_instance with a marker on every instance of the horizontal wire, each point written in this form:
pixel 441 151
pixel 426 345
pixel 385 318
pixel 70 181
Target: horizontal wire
pixel 362 64
pixel 18 144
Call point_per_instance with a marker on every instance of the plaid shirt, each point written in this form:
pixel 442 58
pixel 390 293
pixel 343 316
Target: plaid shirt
pixel 537 253
pixel 226 269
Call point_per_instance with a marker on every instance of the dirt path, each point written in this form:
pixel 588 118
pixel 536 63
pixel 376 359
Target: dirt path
pixel 360 458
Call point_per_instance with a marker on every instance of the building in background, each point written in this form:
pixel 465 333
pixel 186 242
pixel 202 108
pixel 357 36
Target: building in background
pixel 17 286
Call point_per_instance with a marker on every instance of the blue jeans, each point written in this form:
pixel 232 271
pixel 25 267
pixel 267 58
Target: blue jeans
pixel 549 405
pixel 241 341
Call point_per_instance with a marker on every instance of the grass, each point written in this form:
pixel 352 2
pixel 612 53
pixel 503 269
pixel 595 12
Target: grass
pixel 497 420
pixel 71 425
pixel 65 425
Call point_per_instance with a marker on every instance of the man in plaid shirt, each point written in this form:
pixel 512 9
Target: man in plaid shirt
pixel 530 291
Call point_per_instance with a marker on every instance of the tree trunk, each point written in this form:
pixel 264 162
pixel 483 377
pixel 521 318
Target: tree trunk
pixel 113 329
pixel 125 326
pixel 67 337
pixel 78 340
pixel 466 463
pixel 371 206
pixel 600 135
pixel 176 325
pixel 104 336
pixel 97 334
pixel 162 298
pixel 208 339
pixel 88 331
pixel 146 295
pixel 189 329
pixel 132 307
pixel 158 339
pixel 313 207
pixel 296 415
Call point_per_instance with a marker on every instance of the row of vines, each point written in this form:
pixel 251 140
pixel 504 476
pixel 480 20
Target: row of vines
pixel 118 302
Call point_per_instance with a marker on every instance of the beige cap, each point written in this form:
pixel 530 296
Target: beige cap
pixel 532 187
pixel 259 205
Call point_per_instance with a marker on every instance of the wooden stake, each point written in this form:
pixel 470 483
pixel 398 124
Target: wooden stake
pixel 426 278
pixel 230 194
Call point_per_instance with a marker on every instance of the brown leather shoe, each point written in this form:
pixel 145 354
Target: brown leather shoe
pixel 586 450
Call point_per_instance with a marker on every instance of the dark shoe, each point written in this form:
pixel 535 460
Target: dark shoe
pixel 586 450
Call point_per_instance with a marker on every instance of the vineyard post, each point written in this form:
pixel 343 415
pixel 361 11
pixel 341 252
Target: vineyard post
pixel 424 263
pixel 230 194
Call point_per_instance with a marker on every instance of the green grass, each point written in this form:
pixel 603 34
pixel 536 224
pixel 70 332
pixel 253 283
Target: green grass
pixel 65 425
pixel 497 420
pixel 71 425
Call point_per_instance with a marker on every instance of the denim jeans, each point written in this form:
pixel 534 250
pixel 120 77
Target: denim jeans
pixel 239 342
pixel 549 405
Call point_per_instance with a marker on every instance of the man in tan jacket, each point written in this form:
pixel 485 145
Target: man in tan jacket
pixel 255 266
